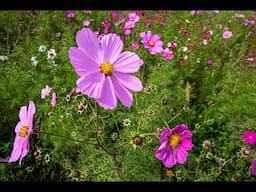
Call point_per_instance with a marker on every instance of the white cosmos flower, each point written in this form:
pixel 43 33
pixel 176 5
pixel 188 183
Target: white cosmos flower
pixel 3 58
pixel 42 48
pixel 51 54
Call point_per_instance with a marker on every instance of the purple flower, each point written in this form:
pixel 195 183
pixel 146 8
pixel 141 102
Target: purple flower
pixel 23 130
pixel 227 34
pixel 209 61
pixel 45 92
pixel 54 99
pixel 174 145
pixel 254 167
pixel 58 34
pixel 167 54
pixel 135 45
pixel 152 42
pixel 249 137
pixel 70 14
pixel 104 70
pixel 114 15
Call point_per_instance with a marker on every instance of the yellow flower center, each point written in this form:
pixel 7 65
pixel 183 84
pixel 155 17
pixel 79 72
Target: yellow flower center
pixel 169 173
pixel 151 43
pixel 107 68
pixel 23 131
pixel 174 140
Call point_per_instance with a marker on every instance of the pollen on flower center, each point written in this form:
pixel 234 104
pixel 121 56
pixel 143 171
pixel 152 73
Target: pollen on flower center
pixel 151 43
pixel 107 68
pixel 174 140
pixel 23 131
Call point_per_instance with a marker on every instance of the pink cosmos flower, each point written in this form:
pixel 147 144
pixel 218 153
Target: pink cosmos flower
pixel 54 99
pixel 167 54
pixel 135 45
pixel 227 34
pixel 133 17
pixel 152 42
pixel 253 170
pixel 114 15
pixel 45 92
pixel 209 62
pixel 174 145
pixel 86 23
pixel 147 21
pixel 104 70
pixel 70 14
pixel 249 137
pixel 127 31
pixel 23 130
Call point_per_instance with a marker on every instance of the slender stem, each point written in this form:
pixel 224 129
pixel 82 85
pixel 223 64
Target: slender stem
pixel 183 108
pixel 66 137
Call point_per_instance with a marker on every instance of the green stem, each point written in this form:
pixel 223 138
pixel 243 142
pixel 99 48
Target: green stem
pixel 66 137
pixel 179 113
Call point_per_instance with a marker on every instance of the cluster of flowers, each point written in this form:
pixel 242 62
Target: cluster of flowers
pixel 250 138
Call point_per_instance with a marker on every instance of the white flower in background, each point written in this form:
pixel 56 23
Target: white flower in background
pixel 3 58
pixel 51 54
pixel 187 21
pixel 185 49
pixel 54 63
pixel 205 42
pixel 42 48
pixel 186 57
pixel 34 61
pixel 198 60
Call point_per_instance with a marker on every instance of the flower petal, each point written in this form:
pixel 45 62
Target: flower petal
pixel 129 81
pixel 181 154
pixel 108 98
pixel 88 42
pixel 186 134
pixel 17 149
pixel 91 85
pixel 31 112
pixel 127 62
pixel 155 38
pixel 186 144
pixel 165 134
pixel 25 149
pixel 170 159
pixel 180 128
pixel 112 46
pixel 122 93
pixel 162 151
pixel 18 127
pixel 81 62
pixel 23 115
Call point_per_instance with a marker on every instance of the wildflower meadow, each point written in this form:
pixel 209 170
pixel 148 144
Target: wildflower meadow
pixel 128 95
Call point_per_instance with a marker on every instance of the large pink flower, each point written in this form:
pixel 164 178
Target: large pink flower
pixel 174 145
pixel 152 42
pixel 104 69
pixel 23 130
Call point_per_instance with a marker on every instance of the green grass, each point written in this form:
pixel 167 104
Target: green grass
pixel 69 137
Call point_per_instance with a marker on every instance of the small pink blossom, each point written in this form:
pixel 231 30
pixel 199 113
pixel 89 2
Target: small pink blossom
pixel 209 62
pixel 45 92
pixel 129 24
pixel 86 23
pixel 240 16
pixel 54 99
pixel 249 137
pixel 127 31
pixel 227 34
pixel 172 45
pixel 114 15
pixel 23 130
pixel 58 34
pixel 70 14
pixel 135 45
pixel 133 17
pixel 88 12
pixel 167 54
pixel 152 42
pixel 147 21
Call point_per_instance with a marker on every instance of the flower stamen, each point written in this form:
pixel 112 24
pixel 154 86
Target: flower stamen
pixel 151 43
pixel 107 68
pixel 23 131
pixel 174 140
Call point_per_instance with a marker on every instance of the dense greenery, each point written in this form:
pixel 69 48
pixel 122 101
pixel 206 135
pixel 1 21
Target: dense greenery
pixel 93 144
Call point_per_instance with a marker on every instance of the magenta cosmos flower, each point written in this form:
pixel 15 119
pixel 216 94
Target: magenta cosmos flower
pixel 23 130
pixel 104 70
pixel 227 34
pixel 253 170
pixel 45 92
pixel 249 137
pixel 174 145
pixel 152 42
